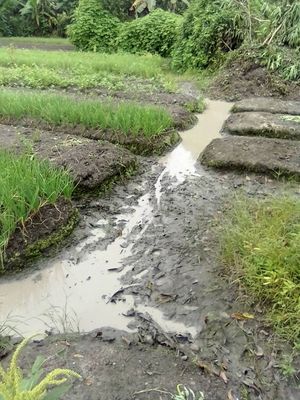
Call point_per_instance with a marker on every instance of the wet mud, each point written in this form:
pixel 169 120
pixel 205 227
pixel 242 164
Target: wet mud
pixel 275 157
pixel 144 262
pixel 243 78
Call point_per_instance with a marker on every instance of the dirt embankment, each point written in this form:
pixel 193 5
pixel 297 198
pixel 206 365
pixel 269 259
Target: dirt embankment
pixel 244 78
pixel 259 143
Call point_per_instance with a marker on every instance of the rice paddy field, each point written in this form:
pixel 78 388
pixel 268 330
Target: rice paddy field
pixel 48 87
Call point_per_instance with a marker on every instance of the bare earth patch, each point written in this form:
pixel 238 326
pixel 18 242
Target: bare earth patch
pixel 90 163
pixel 254 154
pixel 263 124
pixel 47 227
pixel 242 79
pixel 268 104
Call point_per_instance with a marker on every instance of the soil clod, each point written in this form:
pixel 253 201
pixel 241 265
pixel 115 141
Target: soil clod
pixel 254 154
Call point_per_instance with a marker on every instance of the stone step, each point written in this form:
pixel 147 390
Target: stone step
pixel 254 154
pixel 268 104
pixel 281 126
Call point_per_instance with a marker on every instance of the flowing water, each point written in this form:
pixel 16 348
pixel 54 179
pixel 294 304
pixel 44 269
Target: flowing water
pixel 71 293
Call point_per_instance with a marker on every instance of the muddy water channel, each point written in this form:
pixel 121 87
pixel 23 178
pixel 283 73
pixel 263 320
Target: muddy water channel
pixel 78 288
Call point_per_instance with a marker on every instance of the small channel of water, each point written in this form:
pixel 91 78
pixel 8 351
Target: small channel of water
pixel 70 294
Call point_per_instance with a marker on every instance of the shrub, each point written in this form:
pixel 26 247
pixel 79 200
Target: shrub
pixel 155 33
pixel 209 29
pixel 93 28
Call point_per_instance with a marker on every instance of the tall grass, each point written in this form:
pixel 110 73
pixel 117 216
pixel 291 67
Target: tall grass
pixel 127 118
pixel 148 66
pixel 25 185
pixel 260 241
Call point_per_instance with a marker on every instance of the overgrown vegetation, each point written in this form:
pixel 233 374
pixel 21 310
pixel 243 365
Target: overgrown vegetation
pixel 124 118
pixel 35 17
pixel 155 33
pixel 260 242
pixel 94 29
pixel 26 184
pixel 14 386
pixel 211 30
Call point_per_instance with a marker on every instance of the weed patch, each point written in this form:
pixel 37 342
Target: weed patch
pixel 260 241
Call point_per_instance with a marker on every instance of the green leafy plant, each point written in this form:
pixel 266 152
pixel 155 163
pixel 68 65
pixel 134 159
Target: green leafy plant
pixel 93 28
pixel 185 393
pixel 13 385
pixel 209 29
pixel 155 33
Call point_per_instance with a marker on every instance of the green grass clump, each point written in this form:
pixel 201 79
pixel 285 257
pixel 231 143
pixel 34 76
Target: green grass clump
pixel 126 118
pixel 25 185
pixel 260 241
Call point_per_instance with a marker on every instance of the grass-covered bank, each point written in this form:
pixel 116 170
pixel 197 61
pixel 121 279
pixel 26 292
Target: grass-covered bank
pixel 121 71
pixel 26 186
pixel 260 242
pixel 124 118
pixel 144 66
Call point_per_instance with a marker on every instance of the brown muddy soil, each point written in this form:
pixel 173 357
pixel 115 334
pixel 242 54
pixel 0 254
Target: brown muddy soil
pixel 90 163
pixel 265 124
pixel 173 293
pixel 44 228
pixel 242 79
pixel 4 42
pixel 268 104
pixel 271 156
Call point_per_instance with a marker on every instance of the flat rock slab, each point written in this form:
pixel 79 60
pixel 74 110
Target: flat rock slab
pixel 268 104
pixel 90 162
pixel 254 154
pixel 279 126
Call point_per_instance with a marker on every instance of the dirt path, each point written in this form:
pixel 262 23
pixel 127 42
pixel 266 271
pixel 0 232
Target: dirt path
pixel 144 262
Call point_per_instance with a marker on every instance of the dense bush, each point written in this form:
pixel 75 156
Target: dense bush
pixel 35 17
pixel 155 33
pixel 93 28
pixel 209 29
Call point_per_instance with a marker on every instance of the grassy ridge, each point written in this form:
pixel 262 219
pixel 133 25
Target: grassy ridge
pixel 261 243
pixel 148 66
pixel 127 118
pixel 25 185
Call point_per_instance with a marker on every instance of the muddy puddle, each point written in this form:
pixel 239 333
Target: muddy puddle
pixel 76 289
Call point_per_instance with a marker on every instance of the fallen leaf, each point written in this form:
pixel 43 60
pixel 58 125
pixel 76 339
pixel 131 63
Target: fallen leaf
pixel 242 316
pixel 206 367
pixel 78 356
pixel 230 395
pixel 88 381
pixel 259 352
pixel 223 376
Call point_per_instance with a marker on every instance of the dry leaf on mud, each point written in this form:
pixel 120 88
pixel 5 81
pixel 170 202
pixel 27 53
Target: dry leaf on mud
pixel 259 352
pixel 241 316
pixel 223 377
pixel 88 381
pixel 78 356
pixel 230 395
pixel 206 367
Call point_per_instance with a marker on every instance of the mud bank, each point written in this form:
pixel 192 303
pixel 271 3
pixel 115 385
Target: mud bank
pixel 144 261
